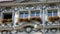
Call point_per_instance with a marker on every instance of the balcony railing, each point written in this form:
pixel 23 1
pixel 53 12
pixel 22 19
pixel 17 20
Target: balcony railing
pixel 53 20
pixel 29 19
pixel 5 20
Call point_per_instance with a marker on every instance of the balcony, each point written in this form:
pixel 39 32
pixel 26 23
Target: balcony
pixel 29 19
pixel 53 20
pixel 5 22
pixel 35 18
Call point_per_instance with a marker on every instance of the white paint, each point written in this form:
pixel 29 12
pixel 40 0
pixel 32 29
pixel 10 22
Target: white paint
pixel 35 26
pixel 16 8
pixel 15 19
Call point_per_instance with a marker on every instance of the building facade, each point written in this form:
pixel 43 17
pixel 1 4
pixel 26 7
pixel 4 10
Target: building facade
pixel 30 17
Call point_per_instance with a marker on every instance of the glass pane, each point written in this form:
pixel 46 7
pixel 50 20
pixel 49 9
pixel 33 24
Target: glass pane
pixel 49 13
pixel 21 15
pixel 54 14
pixel 37 13
pixel 26 14
pixel 32 13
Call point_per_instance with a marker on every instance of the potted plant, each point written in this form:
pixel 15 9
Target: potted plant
pixel 32 18
pixel 19 20
pixel 9 20
pixel 54 18
pixel 38 19
pixel 25 19
pixel 4 20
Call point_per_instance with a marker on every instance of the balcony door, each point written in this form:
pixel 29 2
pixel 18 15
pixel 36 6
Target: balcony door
pixel 7 15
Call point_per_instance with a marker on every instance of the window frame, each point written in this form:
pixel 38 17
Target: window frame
pixel 53 12
pixel 35 13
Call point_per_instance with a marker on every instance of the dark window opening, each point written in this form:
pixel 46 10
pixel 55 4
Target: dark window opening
pixel 7 15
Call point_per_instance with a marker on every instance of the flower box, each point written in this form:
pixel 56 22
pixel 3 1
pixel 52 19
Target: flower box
pixel 36 18
pixel 54 18
pixel 19 20
pixel 6 20
pixel 25 19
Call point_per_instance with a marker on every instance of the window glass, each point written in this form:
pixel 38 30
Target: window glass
pixel 49 13
pixel 21 15
pixel 37 13
pixel 26 14
pixel 55 13
pixel 52 12
pixel 32 13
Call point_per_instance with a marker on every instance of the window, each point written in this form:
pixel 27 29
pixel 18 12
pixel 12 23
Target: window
pixel 49 13
pixel 21 15
pixel 52 13
pixel 33 13
pixel 37 13
pixel 24 15
pixel 7 15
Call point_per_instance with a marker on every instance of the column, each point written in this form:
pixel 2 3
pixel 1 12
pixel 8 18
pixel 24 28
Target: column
pixel 16 15
pixel 43 18
pixel 29 14
pixel 16 18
